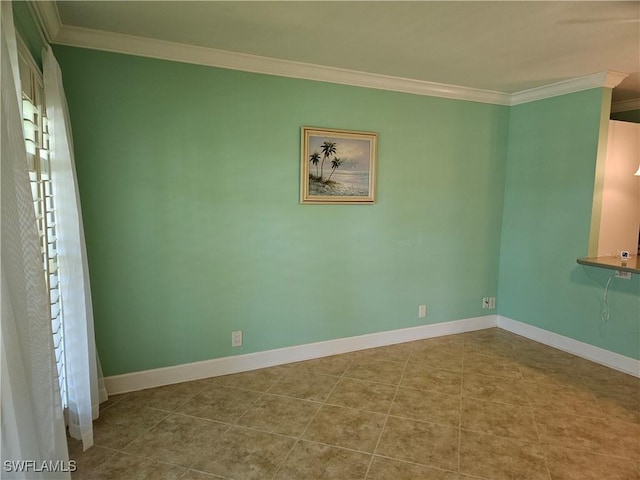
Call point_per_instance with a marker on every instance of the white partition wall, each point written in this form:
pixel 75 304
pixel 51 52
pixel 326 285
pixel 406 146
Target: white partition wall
pixel 620 217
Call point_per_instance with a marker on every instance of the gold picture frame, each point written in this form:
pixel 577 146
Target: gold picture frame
pixel 338 166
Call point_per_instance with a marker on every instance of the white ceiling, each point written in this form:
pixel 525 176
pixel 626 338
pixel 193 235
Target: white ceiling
pixel 499 46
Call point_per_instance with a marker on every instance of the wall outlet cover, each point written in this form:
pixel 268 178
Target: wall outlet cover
pixel 623 275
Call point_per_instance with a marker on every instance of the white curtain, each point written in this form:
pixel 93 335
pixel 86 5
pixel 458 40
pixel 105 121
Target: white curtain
pixel 85 385
pixel 32 422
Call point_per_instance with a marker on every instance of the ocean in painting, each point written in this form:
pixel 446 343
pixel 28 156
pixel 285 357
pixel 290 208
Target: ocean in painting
pixel 349 183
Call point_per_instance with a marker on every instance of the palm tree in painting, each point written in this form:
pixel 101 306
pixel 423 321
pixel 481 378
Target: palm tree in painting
pixel 314 159
pixel 335 163
pixel 328 149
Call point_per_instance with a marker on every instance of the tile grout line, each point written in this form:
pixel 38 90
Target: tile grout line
pixel 623 452
pixel 529 406
pixel 299 438
pixel 115 452
pixel 628 455
pixel 232 423
pixel 591 392
pixel 236 419
pixel 228 427
pixel 386 419
pixel 148 429
pixel 464 342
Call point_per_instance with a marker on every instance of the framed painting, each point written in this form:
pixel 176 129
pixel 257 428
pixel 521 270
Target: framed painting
pixel 338 166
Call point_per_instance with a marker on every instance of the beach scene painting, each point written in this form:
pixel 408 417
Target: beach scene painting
pixel 338 166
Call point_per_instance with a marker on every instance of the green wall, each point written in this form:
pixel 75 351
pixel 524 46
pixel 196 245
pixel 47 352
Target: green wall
pixel 552 149
pixel 28 30
pixel 189 179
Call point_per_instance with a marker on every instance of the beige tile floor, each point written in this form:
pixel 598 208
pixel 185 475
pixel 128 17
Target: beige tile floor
pixel 483 405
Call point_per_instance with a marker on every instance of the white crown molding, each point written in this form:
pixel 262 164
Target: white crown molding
pixel 613 79
pixel 47 16
pixel 625 105
pixel 177 52
pixel 575 347
pixel 158 377
pixel 134 45
pixel 595 80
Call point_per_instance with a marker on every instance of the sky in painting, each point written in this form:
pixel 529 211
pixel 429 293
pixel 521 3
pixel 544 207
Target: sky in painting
pixel 354 153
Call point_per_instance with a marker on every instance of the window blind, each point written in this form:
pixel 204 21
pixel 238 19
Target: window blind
pixel 36 132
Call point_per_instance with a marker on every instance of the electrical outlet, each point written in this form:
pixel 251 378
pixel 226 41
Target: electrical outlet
pixel 492 302
pixel 621 274
pixel 236 338
pixel 485 302
pixel 422 311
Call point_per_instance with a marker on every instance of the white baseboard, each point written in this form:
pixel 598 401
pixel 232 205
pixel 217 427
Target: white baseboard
pixel 240 363
pixel 581 349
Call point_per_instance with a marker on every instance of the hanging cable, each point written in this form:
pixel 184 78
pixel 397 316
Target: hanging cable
pixel 605 311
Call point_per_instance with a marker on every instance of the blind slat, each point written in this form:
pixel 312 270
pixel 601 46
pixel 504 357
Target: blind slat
pixel 37 142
